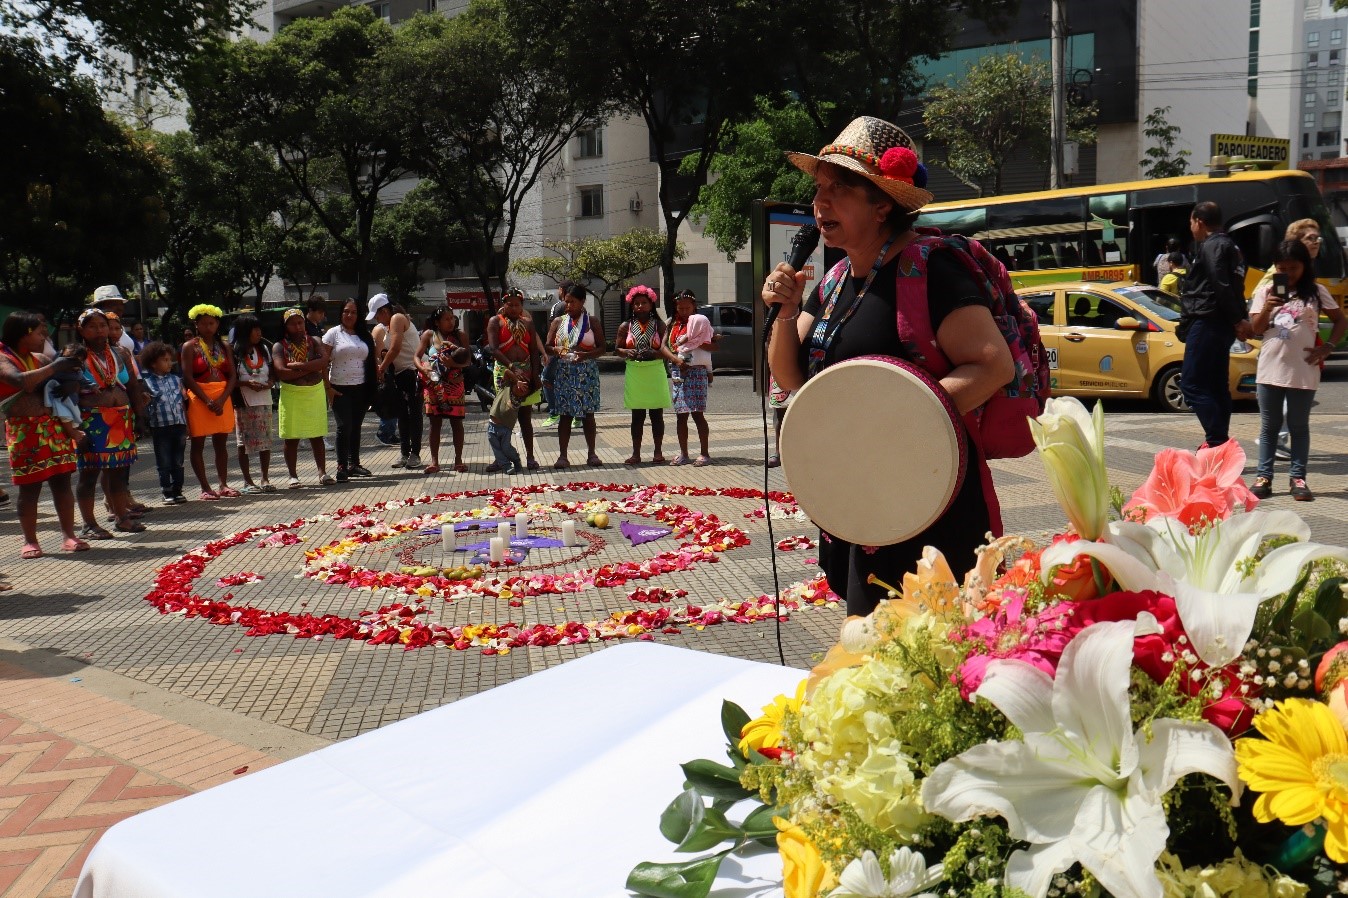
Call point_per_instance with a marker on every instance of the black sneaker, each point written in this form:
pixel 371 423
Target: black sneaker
pixel 1300 491
pixel 1263 487
pixel 342 475
pixel 360 471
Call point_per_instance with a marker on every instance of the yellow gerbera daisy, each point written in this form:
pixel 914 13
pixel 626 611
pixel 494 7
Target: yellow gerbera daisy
pixel 1301 770
pixel 766 731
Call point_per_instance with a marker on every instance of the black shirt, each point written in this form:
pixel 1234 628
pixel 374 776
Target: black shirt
pixel 1214 286
pixel 873 330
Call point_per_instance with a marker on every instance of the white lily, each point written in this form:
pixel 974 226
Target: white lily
pixel 1081 785
pixel 1072 446
pixel 1217 590
pixel 908 872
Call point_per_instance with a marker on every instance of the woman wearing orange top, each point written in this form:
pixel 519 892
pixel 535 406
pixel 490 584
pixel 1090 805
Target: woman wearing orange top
pixel 514 346
pixel 209 376
pixel 109 447
pixel 40 451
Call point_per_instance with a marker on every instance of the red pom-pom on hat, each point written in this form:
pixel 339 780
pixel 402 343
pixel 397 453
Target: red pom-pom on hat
pixel 899 163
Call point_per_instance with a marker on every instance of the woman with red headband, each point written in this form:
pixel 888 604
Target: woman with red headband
pixel 645 383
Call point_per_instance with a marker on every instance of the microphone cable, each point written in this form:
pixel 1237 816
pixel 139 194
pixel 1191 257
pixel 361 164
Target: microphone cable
pixel 767 504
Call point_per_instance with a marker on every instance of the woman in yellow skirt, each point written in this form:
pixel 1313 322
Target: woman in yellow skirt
pixel 209 376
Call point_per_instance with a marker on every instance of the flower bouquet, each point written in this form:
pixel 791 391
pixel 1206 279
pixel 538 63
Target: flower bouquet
pixel 1151 706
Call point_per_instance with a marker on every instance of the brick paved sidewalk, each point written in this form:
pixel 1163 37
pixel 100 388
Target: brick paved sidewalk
pixel 108 708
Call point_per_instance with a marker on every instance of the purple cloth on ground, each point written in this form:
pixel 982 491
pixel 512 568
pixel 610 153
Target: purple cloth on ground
pixel 537 542
pixel 484 556
pixel 484 524
pixel 639 534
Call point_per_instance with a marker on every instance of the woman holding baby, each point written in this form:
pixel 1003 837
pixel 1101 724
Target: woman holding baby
pixel 441 357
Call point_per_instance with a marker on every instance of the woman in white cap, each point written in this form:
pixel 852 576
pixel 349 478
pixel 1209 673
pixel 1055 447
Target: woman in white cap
pixel 869 186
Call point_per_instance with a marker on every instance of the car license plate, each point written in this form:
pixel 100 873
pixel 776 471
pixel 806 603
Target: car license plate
pixel 1052 357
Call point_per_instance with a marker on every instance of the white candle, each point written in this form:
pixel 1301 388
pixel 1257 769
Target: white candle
pixel 569 533
pixel 521 525
pixel 497 551
pixel 447 537
pixel 503 532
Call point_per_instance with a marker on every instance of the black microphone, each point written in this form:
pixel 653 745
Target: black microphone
pixel 803 246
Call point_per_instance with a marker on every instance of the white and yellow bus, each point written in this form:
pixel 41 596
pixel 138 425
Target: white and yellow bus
pixel 1113 232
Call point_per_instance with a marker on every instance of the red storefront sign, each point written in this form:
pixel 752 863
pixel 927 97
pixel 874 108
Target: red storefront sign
pixel 472 300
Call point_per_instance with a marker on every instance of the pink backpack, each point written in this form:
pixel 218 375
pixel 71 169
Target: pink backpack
pixel 1000 427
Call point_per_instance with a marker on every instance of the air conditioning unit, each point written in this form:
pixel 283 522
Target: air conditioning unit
pixel 634 205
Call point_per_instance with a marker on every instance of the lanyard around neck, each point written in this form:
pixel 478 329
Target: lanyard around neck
pixel 821 335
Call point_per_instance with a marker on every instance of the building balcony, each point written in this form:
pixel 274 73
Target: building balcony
pixel 299 9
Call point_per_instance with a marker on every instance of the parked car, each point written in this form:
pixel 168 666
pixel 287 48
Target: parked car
pixel 734 326
pixel 1119 340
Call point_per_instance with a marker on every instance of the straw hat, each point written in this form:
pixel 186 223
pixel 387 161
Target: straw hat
pixel 879 151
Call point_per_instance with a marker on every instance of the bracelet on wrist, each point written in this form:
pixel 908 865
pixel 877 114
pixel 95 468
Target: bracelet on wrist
pixel 792 318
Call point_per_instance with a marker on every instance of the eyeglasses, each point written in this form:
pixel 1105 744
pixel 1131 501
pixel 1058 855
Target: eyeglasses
pixel 1312 238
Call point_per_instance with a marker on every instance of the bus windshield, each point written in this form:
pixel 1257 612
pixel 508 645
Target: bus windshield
pixel 1304 201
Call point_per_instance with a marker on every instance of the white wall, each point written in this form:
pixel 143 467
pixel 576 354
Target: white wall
pixel 1192 57
pixel 1281 44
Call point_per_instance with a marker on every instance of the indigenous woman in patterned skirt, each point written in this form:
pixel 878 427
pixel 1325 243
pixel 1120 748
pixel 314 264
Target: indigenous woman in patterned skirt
pixel 252 402
pixel 209 376
pixel 40 451
pixel 515 347
pixel 441 357
pixel 645 383
pixel 576 340
pixel 110 443
pixel 688 348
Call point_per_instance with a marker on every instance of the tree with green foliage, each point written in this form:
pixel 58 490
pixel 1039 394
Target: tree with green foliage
pixel 1162 159
pixel 690 68
pixel 315 98
pixel 160 36
pixel 1001 105
pixel 862 58
pixel 752 168
pixel 422 227
pixel 603 264
pixel 80 200
pixel 494 114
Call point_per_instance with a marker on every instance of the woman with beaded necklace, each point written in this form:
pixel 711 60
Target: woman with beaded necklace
pixel 210 376
pixel 301 363
pixel 252 405
pixel 577 340
pixel 645 383
pixel 110 444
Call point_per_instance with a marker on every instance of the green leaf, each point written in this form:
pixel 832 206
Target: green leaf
pixel 1284 616
pixel 1330 602
pixel 714 780
pixel 713 829
pixel 687 879
pixel 733 719
pixel 682 817
pixel 759 824
pixel 1313 626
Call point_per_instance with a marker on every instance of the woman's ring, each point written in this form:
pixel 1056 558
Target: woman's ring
pixel 772 285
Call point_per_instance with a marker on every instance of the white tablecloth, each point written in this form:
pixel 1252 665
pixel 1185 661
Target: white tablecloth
pixel 547 787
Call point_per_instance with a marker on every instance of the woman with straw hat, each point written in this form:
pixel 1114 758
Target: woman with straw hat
pixel 869 186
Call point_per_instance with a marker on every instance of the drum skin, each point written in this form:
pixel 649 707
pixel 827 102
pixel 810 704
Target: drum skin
pixel 873 450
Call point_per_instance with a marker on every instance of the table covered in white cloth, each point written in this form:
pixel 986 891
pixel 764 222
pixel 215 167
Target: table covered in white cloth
pixel 551 785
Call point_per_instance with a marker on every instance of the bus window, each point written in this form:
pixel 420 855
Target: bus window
pixel 956 221
pixel 1041 215
pixel 1256 240
pixel 1304 202
pixel 1107 223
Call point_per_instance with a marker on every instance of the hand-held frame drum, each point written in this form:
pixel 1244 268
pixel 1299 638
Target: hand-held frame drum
pixel 874 450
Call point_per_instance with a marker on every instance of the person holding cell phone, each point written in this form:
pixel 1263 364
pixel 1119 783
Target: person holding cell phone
pixel 1285 313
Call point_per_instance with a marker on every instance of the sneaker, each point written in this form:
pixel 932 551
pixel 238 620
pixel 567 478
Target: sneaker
pixel 413 461
pixel 1300 491
pixel 1263 488
pixel 360 471
pixel 390 441
pixel 330 445
pixel 169 500
pixel 552 421
pixel 342 475
pixel 511 469
pixel 400 463
pixel 179 499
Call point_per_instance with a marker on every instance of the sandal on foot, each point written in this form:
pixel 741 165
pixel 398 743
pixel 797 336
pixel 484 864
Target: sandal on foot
pixel 679 460
pixel 431 469
pixel 561 463
pixel 659 459
pixel 595 461
pixel 532 464
pixel 95 532
pixel 209 496
pixel 74 544
pixel 139 507
pixel 702 461
pixel 30 551
pixel 460 467
pixel 634 460
pixel 227 492
pixel 130 525
pixel 774 461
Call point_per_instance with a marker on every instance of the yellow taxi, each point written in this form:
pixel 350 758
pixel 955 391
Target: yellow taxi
pixel 1119 340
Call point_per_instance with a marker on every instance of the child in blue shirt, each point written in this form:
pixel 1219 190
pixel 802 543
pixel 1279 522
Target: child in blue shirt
pixel 167 416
